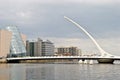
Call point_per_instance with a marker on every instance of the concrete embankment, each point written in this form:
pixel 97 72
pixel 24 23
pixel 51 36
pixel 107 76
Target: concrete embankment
pixel 3 60
pixel 44 61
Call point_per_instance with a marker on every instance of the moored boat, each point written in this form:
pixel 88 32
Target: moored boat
pixel 106 61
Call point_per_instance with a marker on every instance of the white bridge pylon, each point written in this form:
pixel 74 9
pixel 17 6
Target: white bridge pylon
pixel 103 53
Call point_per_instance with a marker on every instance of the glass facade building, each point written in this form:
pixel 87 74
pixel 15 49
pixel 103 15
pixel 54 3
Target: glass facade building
pixel 17 47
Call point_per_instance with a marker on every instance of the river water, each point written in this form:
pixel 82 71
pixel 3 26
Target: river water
pixel 38 71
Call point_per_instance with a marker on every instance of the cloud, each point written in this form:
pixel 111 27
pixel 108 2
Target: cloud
pixel 23 2
pixel 47 19
pixel 44 18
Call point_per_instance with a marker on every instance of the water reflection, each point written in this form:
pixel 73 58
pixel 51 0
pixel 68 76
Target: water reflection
pixel 12 72
pixel 17 72
pixel 39 71
pixel 4 72
pixel 59 72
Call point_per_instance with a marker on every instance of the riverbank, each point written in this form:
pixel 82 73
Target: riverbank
pixel 3 60
pixel 41 61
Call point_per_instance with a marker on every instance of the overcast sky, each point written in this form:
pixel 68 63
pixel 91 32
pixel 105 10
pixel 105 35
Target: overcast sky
pixel 44 19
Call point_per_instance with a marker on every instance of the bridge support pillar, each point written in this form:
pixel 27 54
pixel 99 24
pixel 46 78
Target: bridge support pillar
pixel 91 62
pixel 86 62
pixel 81 61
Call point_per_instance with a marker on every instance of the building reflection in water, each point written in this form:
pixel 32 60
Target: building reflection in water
pixel 17 72
pixel 27 72
pixel 4 72
pixel 12 72
pixel 44 72
pixel 41 72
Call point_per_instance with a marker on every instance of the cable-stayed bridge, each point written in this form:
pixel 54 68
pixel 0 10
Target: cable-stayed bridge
pixel 103 53
pixel 104 57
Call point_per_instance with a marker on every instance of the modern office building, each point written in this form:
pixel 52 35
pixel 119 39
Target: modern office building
pixel 47 48
pixel 34 48
pixel 17 47
pixel 39 48
pixel 68 51
pixel 5 41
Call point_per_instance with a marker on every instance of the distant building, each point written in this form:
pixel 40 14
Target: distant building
pixel 68 51
pixel 47 48
pixel 39 48
pixel 34 48
pixel 5 41
pixel 17 47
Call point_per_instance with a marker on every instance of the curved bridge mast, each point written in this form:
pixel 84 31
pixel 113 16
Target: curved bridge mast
pixel 103 53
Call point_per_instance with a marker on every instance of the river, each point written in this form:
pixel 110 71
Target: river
pixel 39 71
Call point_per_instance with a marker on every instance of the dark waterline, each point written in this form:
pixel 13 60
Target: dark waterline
pixel 59 72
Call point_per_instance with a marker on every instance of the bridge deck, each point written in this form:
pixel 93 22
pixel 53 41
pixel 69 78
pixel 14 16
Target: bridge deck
pixel 63 57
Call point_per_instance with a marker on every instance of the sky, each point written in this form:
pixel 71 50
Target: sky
pixel 44 19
